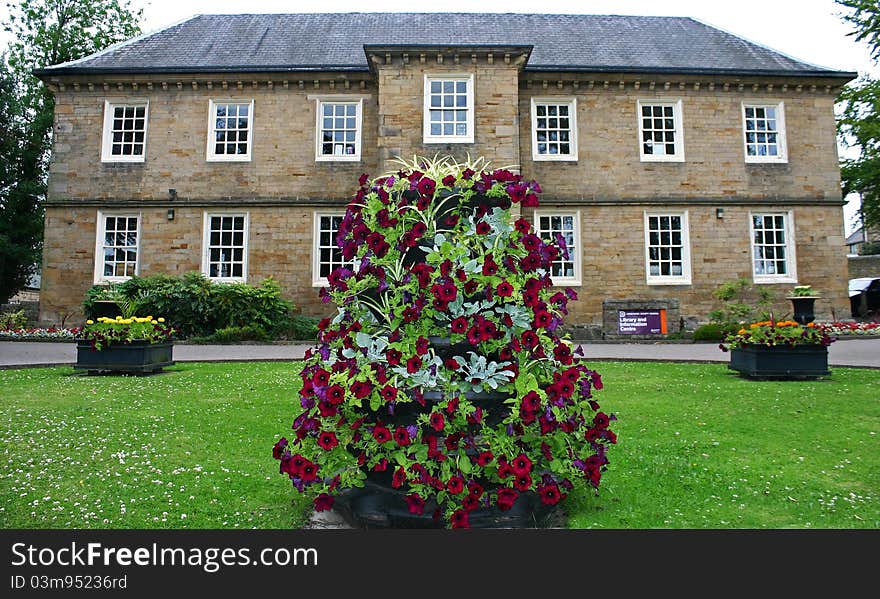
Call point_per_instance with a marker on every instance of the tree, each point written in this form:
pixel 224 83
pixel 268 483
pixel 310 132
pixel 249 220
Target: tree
pixel 859 122
pixel 47 32
pixel 20 217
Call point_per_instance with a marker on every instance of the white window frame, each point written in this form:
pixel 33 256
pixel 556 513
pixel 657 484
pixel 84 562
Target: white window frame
pixel 206 247
pixel 211 155
pixel 107 136
pixel 790 250
pixel 575 253
pixel 781 139
pixel 100 230
pixel 317 279
pixel 686 277
pixel 426 109
pixel 571 102
pixel 679 130
pixel 358 102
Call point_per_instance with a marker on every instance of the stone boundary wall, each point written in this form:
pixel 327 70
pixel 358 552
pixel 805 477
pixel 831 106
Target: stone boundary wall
pixel 864 266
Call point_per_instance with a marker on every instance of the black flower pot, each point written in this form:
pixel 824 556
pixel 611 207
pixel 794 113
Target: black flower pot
pixel 779 361
pixel 136 357
pixel 378 505
pixel 803 308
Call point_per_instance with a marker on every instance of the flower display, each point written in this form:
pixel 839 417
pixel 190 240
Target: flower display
pixel 803 291
pixel 105 331
pixel 444 367
pixel 41 334
pixel 838 328
pixel 784 333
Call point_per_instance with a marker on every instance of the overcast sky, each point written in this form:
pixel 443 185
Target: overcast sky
pixel 809 30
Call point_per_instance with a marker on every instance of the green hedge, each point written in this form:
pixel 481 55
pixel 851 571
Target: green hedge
pixel 199 307
pixel 714 331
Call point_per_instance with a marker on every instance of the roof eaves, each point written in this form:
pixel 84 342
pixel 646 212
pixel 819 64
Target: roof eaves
pixel 694 71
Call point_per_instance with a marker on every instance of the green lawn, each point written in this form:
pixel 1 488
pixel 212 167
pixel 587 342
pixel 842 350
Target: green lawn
pixel 698 448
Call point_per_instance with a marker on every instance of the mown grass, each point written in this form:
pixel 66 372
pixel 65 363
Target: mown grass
pixel 698 448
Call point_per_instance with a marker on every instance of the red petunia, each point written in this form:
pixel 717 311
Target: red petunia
pixel 506 498
pixel 393 357
pixel 504 289
pixel 401 436
pixel 455 485
pixel 437 422
pixel 361 389
pixel 522 225
pixel 521 464
pixel 381 434
pixel 485 458
pixel 388 393
pixel 323 502
pixel 309 471
pixel 601 420
pixel 321 378
pixel 522 482
pixel 415 504
pixel 483 228
pixel 460 519
pixel 413 364
pixel 475 489
pixel 550 494
pixel 398 478
pixel 470 503
pixel 335 394
pixel 459 325
pixel 490 268
pixel 327 440
pixel 448 180
pixel 426 186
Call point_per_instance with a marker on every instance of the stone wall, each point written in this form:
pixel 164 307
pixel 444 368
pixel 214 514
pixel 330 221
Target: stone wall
pixel 283 185
pixel 283 161
pixel 609 167
pixel 496 121
pixel 279 243
pixel 864 266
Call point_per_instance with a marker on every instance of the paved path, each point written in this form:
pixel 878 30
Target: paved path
pixel 847 352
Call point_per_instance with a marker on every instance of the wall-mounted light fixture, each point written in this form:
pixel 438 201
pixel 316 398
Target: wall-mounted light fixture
pixel 719 213
pixel 171 214
pixel 172 194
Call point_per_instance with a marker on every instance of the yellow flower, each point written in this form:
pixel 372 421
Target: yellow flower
pixel 90 321
pixel 149 318
pixel 126 321
pixel 161 319
pixel 119 318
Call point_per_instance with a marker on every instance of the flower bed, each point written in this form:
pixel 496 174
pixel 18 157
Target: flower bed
pixel 838 329
pixel 783 349
pixel 443 368
pixel 40 334
pixel 106 331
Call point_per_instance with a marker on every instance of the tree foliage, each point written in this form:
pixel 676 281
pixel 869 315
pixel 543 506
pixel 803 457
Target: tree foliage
pixel 46 32
pixel 859 121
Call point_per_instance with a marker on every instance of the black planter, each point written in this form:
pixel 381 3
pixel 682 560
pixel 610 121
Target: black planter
pixel 378 505
pixel 137 357
pixel 803 309
pixel 761 361
pixel 105 308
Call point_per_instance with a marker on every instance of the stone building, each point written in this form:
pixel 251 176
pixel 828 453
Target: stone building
pixel 673 155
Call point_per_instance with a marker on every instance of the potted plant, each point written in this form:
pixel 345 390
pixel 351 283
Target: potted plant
pixel 783 349
pixel 803 299
pixel 138 345
pixel 442 393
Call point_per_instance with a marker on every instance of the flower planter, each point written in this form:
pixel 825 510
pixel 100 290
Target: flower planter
pixel 378 505
pixel 807 361
pixel 137 357
pixel 803 308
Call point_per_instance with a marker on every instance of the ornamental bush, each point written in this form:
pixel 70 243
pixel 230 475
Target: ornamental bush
pixel 197 306
pixel 443 368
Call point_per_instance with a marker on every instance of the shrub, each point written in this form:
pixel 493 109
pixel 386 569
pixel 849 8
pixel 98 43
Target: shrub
pixel 741 301
pixel 714 331
pixel 871 248
pixel 298 327
pixel 234 335
pixel 197 306
pixel 10 321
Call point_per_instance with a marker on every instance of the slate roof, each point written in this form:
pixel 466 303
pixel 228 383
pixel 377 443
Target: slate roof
pixel 304 42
